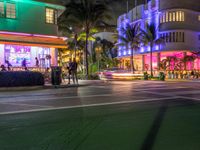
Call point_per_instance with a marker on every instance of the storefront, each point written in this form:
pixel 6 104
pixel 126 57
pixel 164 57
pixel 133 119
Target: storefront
pixel 14 48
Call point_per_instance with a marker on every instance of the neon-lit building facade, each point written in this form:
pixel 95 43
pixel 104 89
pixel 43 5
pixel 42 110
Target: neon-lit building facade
pixel 28 29
pixel 177 21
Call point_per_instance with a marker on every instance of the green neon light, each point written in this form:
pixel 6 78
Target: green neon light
pixel 40 3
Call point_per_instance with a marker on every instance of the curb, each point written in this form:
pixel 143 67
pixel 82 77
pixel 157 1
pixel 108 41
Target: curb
pixel 22 88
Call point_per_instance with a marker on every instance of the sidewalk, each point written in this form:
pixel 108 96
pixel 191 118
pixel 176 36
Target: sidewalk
pixel 183 80
pixel 50 86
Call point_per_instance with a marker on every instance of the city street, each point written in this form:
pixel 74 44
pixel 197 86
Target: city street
pixel 141 115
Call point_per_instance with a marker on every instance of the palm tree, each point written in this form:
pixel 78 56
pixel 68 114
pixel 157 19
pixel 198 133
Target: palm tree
pixel 188 58
pixel 149 37
pixel 86 14
pixel 130 38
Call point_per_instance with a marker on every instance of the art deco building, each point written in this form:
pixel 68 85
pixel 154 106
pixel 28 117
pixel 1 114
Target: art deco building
pixel 177 21
pixel 28 29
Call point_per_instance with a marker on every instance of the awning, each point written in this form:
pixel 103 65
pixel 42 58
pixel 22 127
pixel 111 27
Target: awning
pixel 33 40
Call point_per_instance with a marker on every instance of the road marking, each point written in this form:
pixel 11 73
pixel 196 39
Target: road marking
pixel 86 105
pixel 54 98
pixel 20 104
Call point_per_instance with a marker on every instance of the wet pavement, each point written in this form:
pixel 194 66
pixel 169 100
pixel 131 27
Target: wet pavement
pixel 97 93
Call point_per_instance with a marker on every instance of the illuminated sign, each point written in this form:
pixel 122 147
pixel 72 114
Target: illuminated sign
pixel 15 54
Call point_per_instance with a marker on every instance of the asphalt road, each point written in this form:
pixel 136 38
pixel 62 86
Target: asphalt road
pixel 97 94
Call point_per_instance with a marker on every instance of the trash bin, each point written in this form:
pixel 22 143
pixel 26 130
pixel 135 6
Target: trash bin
pixel 56 75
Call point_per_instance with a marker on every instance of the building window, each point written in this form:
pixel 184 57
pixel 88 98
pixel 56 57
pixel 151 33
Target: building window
pixel 181 16
pixel 177 16
pixel 172 16
pixel 183 37
pixel 163 18
pixel 51 16
pixel 10 10
pixel 1 9
pixel 176 36
pixel 167 19
pixel 7 10
pixel 170 37
pixel 167 37
pixel 199 17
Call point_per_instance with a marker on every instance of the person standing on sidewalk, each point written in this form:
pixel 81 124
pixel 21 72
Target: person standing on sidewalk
pixel 69 68
pixel 74 67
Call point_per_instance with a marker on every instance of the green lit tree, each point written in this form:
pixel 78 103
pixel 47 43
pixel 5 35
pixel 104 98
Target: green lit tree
pixel 86 14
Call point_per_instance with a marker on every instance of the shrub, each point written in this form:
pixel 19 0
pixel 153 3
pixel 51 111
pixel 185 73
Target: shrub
pixel 93 77
pixel 21 78
pixel 90 77
pixel 162 76
pixel 146 76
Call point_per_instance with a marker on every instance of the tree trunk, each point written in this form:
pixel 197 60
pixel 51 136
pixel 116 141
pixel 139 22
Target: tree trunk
pixel 86 54
pixel 75 45
pixel 151 65
pixel 132 62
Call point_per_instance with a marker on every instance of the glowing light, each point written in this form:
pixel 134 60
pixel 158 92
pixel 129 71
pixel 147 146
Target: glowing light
pixel 124 52
pixel 129 52
pixel 127 76
pixel 148 49
pixel 142 49
pixel 156 47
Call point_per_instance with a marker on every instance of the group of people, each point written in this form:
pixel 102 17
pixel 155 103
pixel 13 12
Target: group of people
pixel 6 68
pixel 72 71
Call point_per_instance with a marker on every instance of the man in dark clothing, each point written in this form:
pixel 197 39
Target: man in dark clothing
pixel 74 67
pixel 36 62
pixel 69 66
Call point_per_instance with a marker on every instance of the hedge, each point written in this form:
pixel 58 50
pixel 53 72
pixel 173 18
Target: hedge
pixel 21 78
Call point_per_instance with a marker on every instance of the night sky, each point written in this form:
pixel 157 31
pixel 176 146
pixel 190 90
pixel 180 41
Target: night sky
pixel 118 7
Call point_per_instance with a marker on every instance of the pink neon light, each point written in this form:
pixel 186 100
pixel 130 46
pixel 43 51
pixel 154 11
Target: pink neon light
pixel 27 34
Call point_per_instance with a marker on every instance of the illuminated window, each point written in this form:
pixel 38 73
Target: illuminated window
pixel 167 14
pixel 10 10
pixel 181 16
pixel 163 17
pixel 177 16
pixel 1 9
pixel 51 16
pixel 199 17
pixel 170 17
pixel 7 10
pixel 174 16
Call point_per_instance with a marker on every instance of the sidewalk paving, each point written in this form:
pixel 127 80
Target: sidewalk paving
pixel 50 86
pixel 84 83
